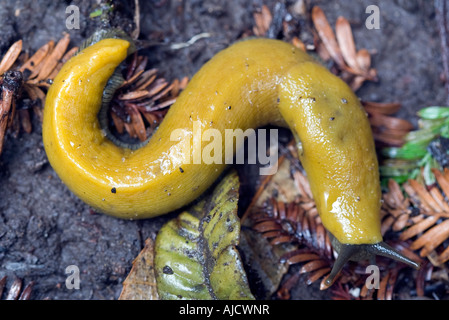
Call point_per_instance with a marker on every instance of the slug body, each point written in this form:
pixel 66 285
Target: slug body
pixel 248 85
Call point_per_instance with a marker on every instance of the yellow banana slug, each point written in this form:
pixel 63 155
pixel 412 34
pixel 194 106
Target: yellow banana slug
pixel 248 85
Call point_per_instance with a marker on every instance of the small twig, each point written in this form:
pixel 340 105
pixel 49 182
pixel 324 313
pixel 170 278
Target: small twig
pixel 12 83
pixel 441 11
pixel 176 46
pixel 135 33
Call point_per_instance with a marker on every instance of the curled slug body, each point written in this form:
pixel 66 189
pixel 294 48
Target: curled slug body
pixel 248 85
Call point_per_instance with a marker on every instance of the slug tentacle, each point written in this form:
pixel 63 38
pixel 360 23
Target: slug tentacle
pixel 354 252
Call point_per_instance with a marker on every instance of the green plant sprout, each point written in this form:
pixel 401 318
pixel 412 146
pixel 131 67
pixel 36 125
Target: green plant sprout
pixel 423 149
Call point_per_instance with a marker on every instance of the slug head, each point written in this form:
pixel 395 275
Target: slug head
pixel 357 252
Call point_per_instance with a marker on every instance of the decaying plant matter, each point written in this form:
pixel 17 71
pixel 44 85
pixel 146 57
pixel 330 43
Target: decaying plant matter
pixel 33 75
pixel 143 99
pixel 16 291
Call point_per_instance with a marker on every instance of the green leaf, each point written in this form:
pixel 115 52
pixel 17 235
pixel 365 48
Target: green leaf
pixel 409 151
pixel 434 112
pixel 428 163
pixel 196 255
pixel 96 13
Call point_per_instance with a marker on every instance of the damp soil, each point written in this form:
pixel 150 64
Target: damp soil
pixel 44 228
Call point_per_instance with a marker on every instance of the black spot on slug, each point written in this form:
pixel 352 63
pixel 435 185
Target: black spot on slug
pixel 113 190
pixel 332 119
pixel 167 270
pixel 181 170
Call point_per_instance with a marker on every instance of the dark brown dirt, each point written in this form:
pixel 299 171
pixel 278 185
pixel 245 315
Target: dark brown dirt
pixel 44 228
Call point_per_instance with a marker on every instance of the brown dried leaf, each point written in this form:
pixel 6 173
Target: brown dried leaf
pixel 382 108
pixel 327 36
pixel 183 83
pixel 443 180
pixel 25 120
pixel 302 257
pixel 400 222
pixel 396 195
pixel 425 196
pixel 386 224
pixel 37 58
pixel 69 54
pixel 315 275
pixel 163 105
pixel 267 226
pixel 313 265
pixel 163 93
pixel 444 256
pixel 357 82
pixel 140 284
pixel 281 239
pixel 433 234
pixel 299 44
pixel 419 227
pixel 302 183
pixel 132 79
pixel 137 123
pixel 262 21
pixel 346 43
pixel 363 58
pixel 381 293
pixel 10 56
pixel 439 199
pixel 273 234
pixel 392 140
pixel 380 120
pixel 118 123
pixel 143 80
pixel 134 95
pixel 149 79
pixel 14 291
pixel 35 93
pixel 446 173
pixel 53 59
pixel 437 235
pixel 130 129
